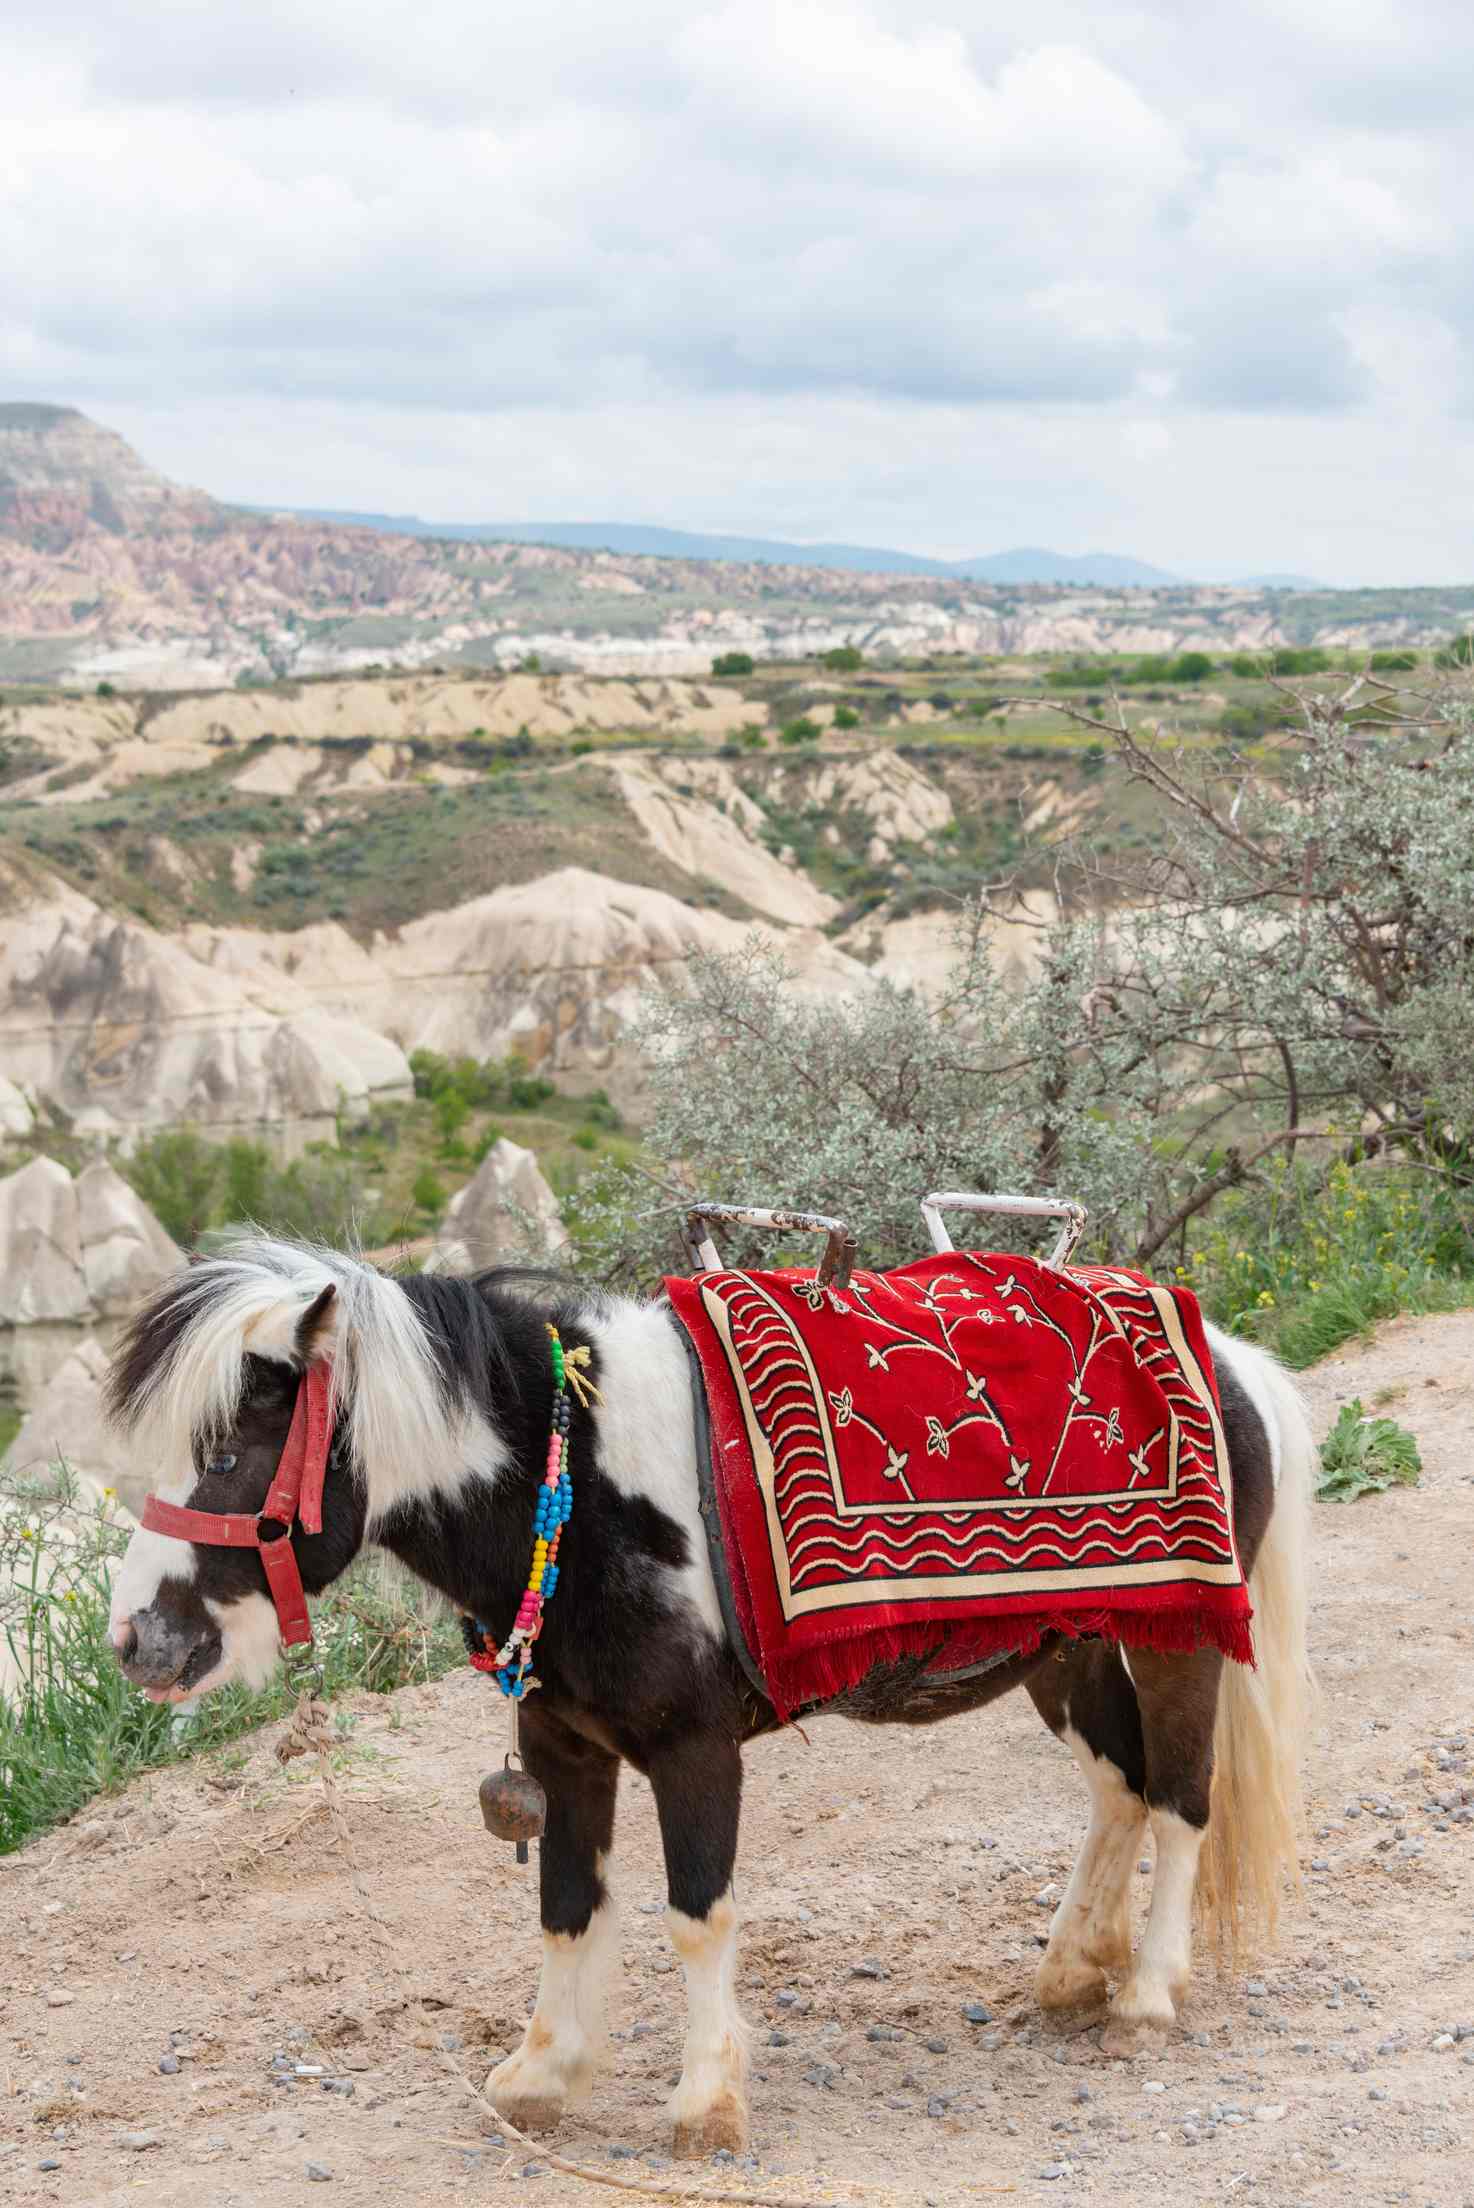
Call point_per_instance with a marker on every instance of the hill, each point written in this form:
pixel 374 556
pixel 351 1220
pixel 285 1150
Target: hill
pixel 1025 565
pixel 110 572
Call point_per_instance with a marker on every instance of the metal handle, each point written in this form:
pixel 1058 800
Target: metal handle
pixel 1015 1207
pixel 835 1266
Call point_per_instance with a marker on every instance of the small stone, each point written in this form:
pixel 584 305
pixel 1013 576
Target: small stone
pixel 936 2107
pixel 318 2173
pixel 58 1998
pixel 779 2039
pixel 1269 2113
pixel 137 2142
pixel 1377 2093
pixel 786 2000
pixel 869 1969
pixel 169 2065
pixel 884 2032
pixel 1154 2085
pixel 51 2163
pixel 1052 2170
pixel 936 2046
pixel 1081 2094
pixel 1256 1987
pixel 976 2012
pixel 1444 2040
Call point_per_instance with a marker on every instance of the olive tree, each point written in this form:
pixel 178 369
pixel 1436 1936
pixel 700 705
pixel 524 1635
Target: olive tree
pixel 1295 965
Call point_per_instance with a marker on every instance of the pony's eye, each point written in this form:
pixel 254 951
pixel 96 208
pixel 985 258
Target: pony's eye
pixel 222 1464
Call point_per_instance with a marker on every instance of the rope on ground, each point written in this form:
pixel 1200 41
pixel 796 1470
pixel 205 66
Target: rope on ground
pixel 310 1732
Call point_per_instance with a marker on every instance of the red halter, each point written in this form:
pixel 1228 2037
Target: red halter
pixel 295 1493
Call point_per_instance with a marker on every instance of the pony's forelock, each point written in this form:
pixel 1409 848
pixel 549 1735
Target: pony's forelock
pixel 178 1373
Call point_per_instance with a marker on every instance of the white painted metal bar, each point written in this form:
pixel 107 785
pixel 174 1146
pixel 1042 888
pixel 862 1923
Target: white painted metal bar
pixel 839 1250
pixel 1015 1207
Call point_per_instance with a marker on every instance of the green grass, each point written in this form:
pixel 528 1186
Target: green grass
pixel 1304 1264
pixel 77 1729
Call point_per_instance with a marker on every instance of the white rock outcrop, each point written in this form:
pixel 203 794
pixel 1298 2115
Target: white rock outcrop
pixel 42 1277
pixel 65 1426
pixel 16 1116
pixel 552 968
pixel 505 1213
pixel 74 1256
pixel 556 968
pixel 696 814
pixel 126 1029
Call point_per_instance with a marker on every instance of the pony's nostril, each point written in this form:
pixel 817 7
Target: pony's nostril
pixel 125 1641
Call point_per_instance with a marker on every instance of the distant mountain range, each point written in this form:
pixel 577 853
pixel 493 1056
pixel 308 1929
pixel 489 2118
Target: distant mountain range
pixel 111 573
pixel 1024 564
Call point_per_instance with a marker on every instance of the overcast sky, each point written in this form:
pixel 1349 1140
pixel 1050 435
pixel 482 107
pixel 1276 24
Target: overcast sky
pixel 1193 282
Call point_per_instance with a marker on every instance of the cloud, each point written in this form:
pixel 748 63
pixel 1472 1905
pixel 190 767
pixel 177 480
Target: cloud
pixel 757 223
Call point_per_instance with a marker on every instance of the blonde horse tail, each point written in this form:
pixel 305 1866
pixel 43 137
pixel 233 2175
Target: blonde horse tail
pixel 1256 1814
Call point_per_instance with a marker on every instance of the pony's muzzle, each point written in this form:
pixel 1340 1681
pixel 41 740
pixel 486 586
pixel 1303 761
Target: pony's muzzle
pixel 161 1655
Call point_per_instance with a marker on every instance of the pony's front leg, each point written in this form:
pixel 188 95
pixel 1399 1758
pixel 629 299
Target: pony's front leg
pixel 698 1792
pixel 565 2034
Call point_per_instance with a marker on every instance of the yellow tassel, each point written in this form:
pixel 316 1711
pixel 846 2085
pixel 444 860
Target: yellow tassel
pixel 574 1361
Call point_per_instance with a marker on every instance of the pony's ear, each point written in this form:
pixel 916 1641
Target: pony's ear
pixel 317 1325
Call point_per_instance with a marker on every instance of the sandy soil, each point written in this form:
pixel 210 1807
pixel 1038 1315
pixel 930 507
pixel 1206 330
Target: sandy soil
pixel 887 1879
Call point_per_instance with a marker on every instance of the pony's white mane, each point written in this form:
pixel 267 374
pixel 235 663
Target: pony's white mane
pixel 409 1433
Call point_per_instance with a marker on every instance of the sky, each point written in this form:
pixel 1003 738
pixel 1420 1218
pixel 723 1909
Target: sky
pixel 1189 282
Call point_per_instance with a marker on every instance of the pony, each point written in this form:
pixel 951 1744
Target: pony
pixel 440 1398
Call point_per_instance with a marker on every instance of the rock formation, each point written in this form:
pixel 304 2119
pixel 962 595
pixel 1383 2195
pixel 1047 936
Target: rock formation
pixel 123 1030
pixel 65 1426
pixel 505 1213
pixel 75 1256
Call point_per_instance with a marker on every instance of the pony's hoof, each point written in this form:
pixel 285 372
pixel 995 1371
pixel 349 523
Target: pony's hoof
pixel 537 2112
pixel 1134 2032
pixel 724 2124
pixel 1068 1984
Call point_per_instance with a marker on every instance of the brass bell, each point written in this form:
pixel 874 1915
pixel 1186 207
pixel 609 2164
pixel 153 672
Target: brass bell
pixel 514 1807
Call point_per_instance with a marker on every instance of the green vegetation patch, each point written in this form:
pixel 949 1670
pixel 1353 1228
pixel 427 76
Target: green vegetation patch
pixel 1362 1455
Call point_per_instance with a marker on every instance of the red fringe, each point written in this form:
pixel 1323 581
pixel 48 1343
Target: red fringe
pixel 818 1674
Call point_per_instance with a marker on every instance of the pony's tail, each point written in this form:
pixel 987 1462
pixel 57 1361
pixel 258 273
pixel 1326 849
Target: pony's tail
pixel 1257 1810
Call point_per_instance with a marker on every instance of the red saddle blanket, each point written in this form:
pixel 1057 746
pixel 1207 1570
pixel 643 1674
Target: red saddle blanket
pixel 958 1457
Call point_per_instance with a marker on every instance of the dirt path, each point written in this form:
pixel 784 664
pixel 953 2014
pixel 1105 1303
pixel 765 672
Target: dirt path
pixel 186 1914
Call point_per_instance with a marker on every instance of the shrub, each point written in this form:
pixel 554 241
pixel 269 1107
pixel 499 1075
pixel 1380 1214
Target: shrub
pixel 1392 663
pixel 195 1186
pixel 1307 961
pixel 732 663
pixel 845 716
pixel 1457 654
pixel 1191 667
pixel 801 731
pixel 843 659
pixel 428 1193
pixel 1363 1456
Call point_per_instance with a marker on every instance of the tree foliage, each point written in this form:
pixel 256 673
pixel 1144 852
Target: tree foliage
pixel 1294 968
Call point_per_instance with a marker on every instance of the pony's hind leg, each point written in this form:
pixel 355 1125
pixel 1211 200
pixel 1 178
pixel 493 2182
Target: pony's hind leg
pixel 1089 1702
pixel 565 2033
pixel 1178 1699
pixel 698 1790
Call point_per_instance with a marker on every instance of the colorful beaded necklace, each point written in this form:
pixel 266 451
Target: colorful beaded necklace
pixel 511 1664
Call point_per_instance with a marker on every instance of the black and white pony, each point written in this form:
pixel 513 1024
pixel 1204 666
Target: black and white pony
pixel 442 1393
